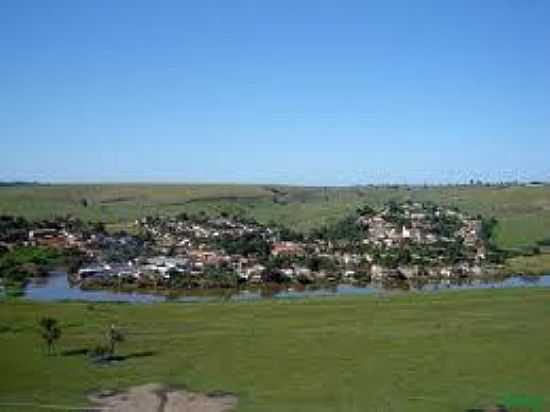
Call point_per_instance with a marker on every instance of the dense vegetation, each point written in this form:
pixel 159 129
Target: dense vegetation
pixel 544 242
pixel 17 265
pixel 249 244
pixel 345 229
pixel 13 229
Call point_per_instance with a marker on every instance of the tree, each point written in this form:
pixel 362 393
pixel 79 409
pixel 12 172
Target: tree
pixel 114 336
pixel 346 229
pixel 183 217
pixel 99 227
pixel 50 332
pixel 366 210
pixel 488 227
pixel 246 245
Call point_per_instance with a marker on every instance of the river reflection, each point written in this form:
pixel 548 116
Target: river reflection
pixel 57 287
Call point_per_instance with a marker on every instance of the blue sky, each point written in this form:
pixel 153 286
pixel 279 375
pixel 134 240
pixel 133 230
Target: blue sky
pixel 299 92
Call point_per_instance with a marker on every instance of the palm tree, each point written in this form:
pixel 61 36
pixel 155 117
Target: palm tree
pixel 114 336
pixel 50 332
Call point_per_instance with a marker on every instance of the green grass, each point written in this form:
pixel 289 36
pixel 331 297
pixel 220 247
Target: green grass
pixel 114 203
pixel 432 352
pixel 531 265
pixel 523 212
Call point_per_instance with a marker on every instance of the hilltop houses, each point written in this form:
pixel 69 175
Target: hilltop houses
pixel 287 248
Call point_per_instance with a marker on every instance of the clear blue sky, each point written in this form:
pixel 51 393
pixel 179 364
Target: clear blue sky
pixel 300 92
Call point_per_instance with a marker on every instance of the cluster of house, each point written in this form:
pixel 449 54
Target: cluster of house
pixel 164 268
pixel 196 233
pixel 430 231
pixel 421 224
pixel 161 268
pixel 167 248
pixel 90 243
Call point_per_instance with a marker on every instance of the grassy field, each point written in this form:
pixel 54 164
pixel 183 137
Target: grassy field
pixel 437 352
pixel 523 212
pixel 530 265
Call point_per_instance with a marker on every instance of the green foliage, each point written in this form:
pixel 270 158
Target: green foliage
pixel 282 261
pixel 31 254
pixel 320 263
pixel 366 210
pixel 285 233
pixel 249 244
pixel 98 227
pixel 344 229
pixel 114 336
pixel 544 242
pixel 183 217
pixel 23 262
pixel 397 219
pixel 13 229
pixel 220 276
pixel 453 252
pixel 445 225
pixel 50 332
pixel 488 226
pixel 394 207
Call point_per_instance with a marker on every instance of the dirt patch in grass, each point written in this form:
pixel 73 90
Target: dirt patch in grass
pixel 162 398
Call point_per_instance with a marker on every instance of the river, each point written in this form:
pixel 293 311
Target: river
pixel 56 287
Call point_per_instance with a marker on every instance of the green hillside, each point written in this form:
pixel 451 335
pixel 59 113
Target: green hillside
pixel 523 212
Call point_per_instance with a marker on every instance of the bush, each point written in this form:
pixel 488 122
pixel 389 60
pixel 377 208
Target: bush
pixel 488 227
pixel 217 276
pixel 544 242
pixel 22 263
pixel 345 229
pixel 247 245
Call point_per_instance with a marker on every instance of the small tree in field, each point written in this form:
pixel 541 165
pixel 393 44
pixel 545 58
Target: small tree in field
pixel 50 332
pixel 105 349
pixel 114 337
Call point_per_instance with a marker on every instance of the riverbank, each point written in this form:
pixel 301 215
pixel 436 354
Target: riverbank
pixel 57 288
pixel 427 352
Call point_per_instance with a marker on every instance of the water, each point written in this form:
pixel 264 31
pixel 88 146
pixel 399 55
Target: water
pixel 57 287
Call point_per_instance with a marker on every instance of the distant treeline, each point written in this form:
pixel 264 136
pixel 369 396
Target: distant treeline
pixel 3 184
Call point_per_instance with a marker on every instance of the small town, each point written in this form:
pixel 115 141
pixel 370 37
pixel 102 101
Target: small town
pixel 258 206
pixel 395 242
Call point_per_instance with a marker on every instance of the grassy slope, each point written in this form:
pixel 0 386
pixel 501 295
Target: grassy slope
pixel 531 265
pixel 445 352
pixel 524 212
pixel 112 203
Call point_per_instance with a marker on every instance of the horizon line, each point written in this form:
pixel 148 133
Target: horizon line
pixel 472 182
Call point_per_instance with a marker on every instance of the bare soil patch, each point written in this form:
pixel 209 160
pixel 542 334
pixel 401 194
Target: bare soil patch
pixel 162 398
